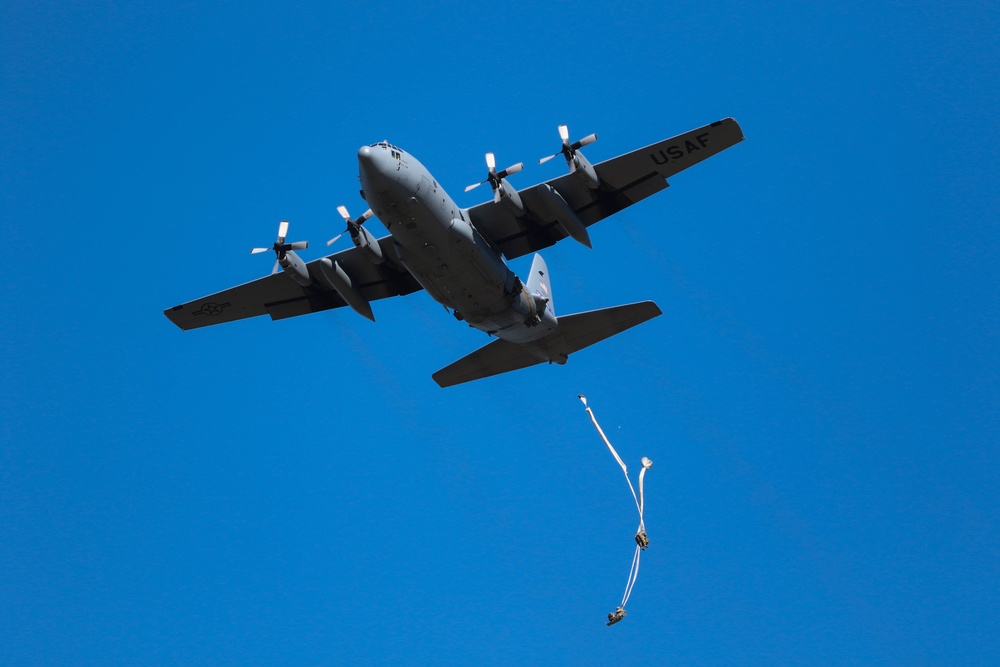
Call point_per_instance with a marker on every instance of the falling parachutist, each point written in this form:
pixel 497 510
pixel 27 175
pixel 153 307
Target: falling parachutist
pixel 641 539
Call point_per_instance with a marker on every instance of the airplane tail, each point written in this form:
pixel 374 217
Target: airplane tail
pixel 574 332
pixel 540 283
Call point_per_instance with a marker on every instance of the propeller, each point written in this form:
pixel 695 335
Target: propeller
pixel 280 247
pixel 569 150
pixel 494 177
pixel 352 225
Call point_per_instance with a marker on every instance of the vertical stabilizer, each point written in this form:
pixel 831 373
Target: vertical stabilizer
pixel 540 283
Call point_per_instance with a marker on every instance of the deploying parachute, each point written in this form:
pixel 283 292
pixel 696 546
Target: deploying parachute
pixel 641 540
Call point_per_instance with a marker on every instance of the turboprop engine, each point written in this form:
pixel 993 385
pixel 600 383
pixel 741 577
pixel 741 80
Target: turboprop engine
pixel 578 164
pixel 286 257
pixel 502 192
pixel 362 238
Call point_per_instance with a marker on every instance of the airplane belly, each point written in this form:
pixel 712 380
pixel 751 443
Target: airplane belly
pixel 478 287
pixel 455 280
pixel 454 264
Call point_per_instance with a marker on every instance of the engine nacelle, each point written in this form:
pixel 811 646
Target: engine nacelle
pixel 368 245
pixel 507 195
pixel 585 171
pixel 295 268
pixel 337 279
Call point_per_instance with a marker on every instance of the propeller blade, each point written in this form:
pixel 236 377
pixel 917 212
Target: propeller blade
pixel 512 169
pixel 275 269
pixel 546 159
pixel 564 133
pixel 282 231
pixel 257 251
pixel 586 141
pixel 347 216
pixel 491 162
pixel 336 238
pixel 298 245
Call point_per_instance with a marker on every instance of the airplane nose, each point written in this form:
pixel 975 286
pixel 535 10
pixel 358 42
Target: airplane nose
pixel 372 166
pixel 366 156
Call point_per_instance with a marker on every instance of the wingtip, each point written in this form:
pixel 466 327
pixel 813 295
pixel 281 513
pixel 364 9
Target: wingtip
pixel 169 313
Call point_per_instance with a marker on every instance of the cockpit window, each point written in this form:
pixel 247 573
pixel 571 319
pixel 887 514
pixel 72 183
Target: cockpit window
pixel 384 145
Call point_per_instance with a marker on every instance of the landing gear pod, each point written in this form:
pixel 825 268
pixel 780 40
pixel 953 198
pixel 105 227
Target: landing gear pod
pixel 464 238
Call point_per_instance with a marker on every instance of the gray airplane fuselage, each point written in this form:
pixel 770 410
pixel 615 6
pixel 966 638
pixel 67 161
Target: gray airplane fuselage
pixel 437 244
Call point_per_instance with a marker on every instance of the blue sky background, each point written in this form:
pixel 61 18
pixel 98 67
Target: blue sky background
pixel 820 396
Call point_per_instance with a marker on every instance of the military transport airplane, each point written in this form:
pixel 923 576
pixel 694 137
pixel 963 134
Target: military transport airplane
pixel 457 255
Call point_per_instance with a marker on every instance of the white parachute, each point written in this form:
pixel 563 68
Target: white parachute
pixel 641 541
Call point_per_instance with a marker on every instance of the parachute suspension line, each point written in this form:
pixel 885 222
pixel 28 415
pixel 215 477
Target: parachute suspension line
pixel 641 541
pixel 633 574
pixel 646 465
pixel 640 537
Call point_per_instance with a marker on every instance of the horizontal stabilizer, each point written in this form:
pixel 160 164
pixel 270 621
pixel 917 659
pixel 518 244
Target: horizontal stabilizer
pixel 500 356
pixel 575 332
pixel 584 329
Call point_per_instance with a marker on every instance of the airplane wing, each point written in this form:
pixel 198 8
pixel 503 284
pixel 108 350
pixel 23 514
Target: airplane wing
pixel 499 356
pixel 625 180
pixel 279 296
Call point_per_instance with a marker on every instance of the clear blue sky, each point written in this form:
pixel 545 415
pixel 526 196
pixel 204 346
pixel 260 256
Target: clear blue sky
pixel 820 396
